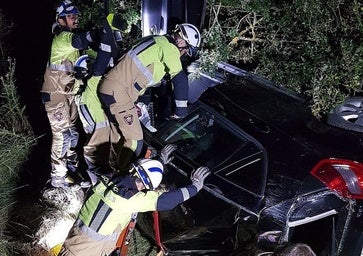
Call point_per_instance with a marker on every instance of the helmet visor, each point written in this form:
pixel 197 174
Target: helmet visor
pixel 143 176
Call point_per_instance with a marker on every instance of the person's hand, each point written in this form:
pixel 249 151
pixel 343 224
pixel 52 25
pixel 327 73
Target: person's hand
pixel 165 153
pixel 198 176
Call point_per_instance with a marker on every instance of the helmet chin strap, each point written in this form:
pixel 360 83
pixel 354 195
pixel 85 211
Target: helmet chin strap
pixel 183 48
pixel 133 170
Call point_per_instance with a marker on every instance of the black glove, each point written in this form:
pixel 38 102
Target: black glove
pixel 96 34
pixel 198 176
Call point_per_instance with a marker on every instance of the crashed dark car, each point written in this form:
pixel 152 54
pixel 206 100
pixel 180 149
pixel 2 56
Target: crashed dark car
pixel 275 167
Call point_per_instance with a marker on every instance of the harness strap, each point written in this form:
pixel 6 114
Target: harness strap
pixel 125 236
pixel 122 244
pixel 156 227
pixel 130 229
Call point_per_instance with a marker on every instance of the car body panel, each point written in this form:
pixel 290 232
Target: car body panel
pixel 161 16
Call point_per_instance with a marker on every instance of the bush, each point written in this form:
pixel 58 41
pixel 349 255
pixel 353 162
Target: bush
pixel 16 140
pixel 312 47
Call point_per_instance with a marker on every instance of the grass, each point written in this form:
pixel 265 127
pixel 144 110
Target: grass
pixel 16 141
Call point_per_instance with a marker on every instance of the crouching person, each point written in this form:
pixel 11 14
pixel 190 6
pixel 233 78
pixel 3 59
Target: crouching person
pixel 111 203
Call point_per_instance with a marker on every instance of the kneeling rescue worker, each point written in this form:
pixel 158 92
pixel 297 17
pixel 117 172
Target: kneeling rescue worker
pixel 112 203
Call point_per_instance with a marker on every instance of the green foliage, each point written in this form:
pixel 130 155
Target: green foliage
pixel 94 11
pixel 312 47
pixel 16 140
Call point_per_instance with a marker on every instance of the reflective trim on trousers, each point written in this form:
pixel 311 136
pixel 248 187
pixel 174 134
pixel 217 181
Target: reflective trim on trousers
pixel 105 47
pixel 91 128
pixel 181 103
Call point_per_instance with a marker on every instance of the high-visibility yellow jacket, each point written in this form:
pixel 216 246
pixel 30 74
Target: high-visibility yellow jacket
pixel 108 209
pixel 163 55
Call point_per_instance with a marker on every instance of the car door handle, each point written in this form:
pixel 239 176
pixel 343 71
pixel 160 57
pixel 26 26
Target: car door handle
pixel 261 127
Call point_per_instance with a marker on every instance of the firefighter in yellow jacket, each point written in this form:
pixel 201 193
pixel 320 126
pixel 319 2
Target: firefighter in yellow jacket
pixel 143 66
pixel 59 89
pixel 111 204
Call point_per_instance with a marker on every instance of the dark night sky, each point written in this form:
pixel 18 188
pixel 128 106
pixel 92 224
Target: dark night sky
pixel 31 39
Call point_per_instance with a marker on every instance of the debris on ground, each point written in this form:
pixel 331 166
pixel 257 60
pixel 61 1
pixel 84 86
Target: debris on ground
pixel 64 205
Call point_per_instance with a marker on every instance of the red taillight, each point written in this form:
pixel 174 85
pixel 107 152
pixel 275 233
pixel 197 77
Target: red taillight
pixel 344 176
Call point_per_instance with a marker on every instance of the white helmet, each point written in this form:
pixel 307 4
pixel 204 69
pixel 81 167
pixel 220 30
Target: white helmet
pixel 150 172
pixel 82 66
pixel 189 33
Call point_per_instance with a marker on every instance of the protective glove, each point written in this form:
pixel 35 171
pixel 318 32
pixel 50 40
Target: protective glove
pixel 165 153
pixel 56 29
pixel 198 176
pixel 144 116
pixel 116 23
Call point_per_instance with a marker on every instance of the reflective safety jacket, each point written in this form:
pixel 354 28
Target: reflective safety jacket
pixel 90 108
pixel 163 56
pixel 108 209
pixel 65 49
pixel 162 53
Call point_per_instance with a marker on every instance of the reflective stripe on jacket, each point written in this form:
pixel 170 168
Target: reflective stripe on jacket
pixel 161 56
pixel 160 53
pixel 107 213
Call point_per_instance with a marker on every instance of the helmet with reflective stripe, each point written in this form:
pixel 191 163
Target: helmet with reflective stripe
pixel 82 66
pixel 150 172
pixel 66 8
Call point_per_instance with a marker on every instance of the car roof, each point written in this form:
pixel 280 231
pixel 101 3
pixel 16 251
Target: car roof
pixel 262 104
